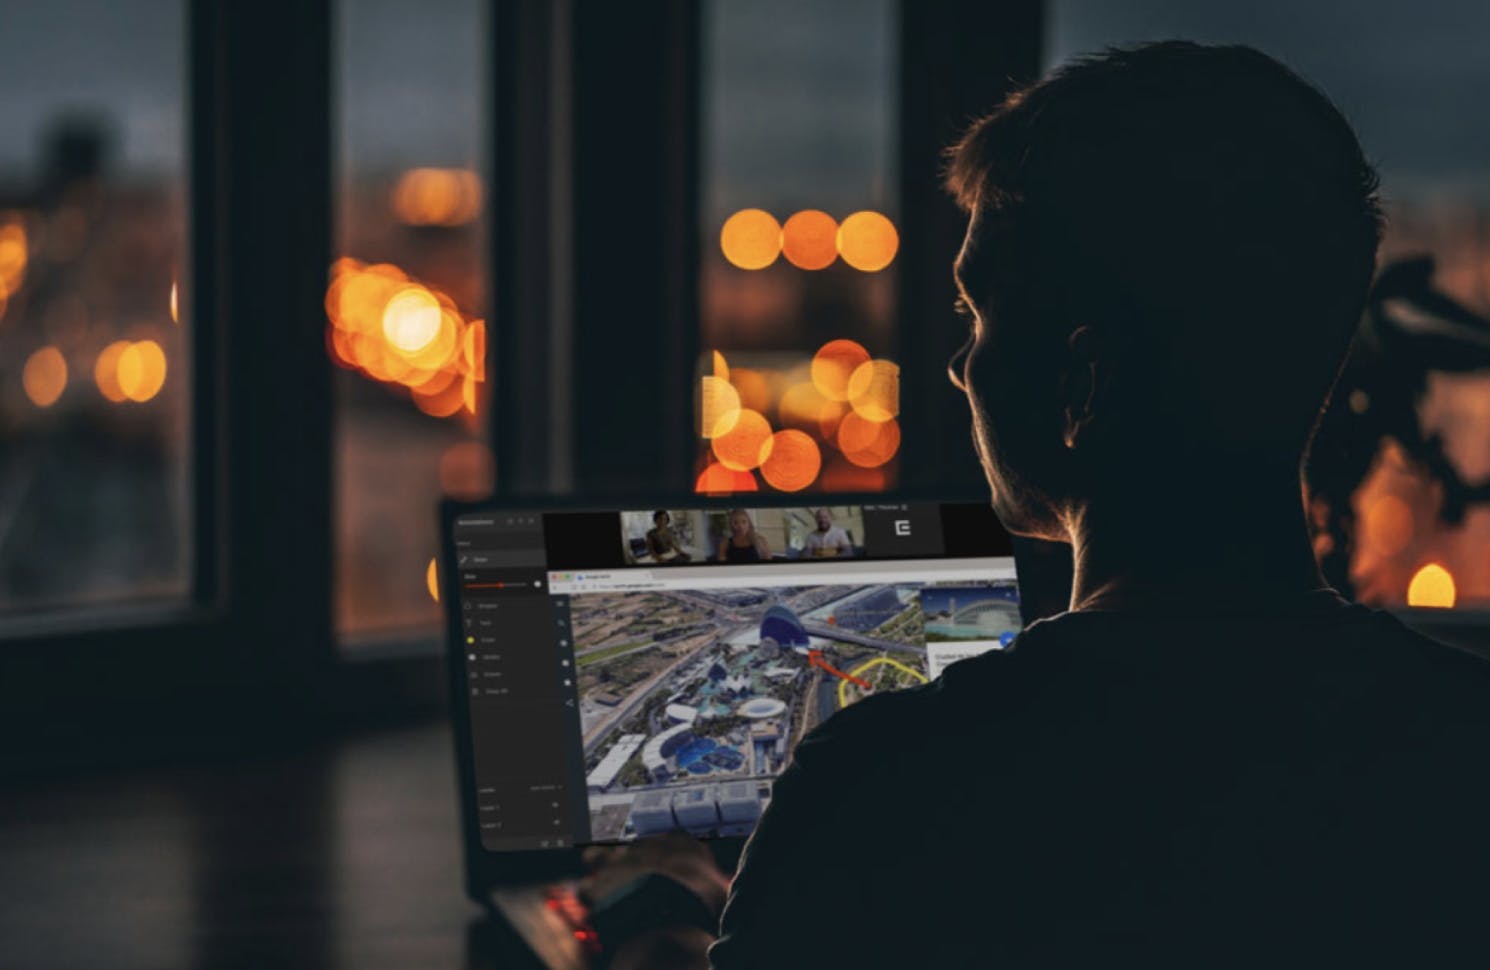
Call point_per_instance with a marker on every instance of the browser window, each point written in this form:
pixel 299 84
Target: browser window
pixel 663 686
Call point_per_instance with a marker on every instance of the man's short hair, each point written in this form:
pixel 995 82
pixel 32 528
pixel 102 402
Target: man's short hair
pixel 1204 207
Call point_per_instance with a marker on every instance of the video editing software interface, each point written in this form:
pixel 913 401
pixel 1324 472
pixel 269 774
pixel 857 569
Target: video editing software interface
pixel 631 673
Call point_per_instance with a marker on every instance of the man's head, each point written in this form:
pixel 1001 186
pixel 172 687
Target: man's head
pixel 661 517
pixel 1168 251
pixel 824 520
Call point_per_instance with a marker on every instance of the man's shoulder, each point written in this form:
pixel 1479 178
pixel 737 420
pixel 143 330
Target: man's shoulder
pixel 1414 666
pixel 1386 630
pixel 882 727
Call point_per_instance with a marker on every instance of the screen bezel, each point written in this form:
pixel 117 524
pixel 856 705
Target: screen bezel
pixel 485 869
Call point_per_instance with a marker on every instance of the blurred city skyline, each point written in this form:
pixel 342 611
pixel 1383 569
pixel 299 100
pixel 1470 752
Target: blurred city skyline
pixel 1408 76
pixel 799 110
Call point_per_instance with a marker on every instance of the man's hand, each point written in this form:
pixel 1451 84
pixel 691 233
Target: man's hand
pixel 677 856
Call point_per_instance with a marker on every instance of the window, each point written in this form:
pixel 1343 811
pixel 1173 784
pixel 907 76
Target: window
pixel 95 295
pixel 1410 440
pixel 797 243
pixel 406 300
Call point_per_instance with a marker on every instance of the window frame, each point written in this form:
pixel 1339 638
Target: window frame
pixel 257 613
pixel 256 631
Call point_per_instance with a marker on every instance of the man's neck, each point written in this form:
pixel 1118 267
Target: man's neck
pixel 1242 548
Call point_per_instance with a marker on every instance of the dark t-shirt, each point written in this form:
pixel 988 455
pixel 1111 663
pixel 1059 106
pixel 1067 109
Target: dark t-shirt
pixel 1307 786
pixel 734 553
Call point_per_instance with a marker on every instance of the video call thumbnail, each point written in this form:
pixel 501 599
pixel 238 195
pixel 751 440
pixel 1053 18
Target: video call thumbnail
pixel 695 536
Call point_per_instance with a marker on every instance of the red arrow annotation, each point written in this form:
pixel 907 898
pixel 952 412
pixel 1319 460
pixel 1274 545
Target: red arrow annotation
pixel 815 659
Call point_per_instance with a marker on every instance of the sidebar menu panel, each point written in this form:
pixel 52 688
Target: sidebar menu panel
pixel 519 674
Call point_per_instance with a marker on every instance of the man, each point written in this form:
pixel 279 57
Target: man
pixel 1212 758
pixel 829 539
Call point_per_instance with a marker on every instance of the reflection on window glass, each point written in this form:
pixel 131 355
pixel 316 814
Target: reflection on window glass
pixel 94 377
pixel 798 242
pixel 1400 476
pixel 405 302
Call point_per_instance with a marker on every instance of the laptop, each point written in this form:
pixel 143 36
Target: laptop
pixel 624 672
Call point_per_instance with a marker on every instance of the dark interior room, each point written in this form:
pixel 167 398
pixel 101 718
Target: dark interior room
pixel 460 460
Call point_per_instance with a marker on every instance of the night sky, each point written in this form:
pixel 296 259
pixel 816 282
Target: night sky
pixel 801 94
pixel 1414 77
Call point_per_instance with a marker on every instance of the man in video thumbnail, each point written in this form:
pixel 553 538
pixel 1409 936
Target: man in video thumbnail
pixel 829 539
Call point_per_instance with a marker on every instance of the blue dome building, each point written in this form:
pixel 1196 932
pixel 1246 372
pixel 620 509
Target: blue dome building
pixel 781 624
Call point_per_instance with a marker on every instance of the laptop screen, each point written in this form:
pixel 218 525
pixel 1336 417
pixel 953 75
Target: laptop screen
pixel 628 673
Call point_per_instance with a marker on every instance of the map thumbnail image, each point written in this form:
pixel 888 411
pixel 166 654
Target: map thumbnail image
pixel 963 621
pixel 691 701
pixel 988 612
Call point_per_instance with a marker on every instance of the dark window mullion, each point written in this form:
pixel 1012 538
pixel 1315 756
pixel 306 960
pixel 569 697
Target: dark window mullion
pixel 260 191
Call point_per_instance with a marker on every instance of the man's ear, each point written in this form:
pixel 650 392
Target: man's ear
pixel 1085 384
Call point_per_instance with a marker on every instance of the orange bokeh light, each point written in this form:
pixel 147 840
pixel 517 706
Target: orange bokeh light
pixel 142 370
pixel 411 320
pixel 442 403
pixel 809 239
pixel 866 443
pixel 398 331
pixel 792 460
pixel 106 371
pixel 834 364
pixel 437 197
pixel 1387 526
pixel 44 376
pixel 868 241
pixel 432 580
pixel 175 304
pixel 804 407
pixel 719 480
pixel 754 388
pixel 874 390
pixel 339 346
pixel 361 297
pixel 719 406
pixel 473 349
pixel 740 448
pixel 751 239
pixel 831 417
pixel 14 253
pixel 721 366
pixel 435 382
pixel 1432 586
pixel 445 349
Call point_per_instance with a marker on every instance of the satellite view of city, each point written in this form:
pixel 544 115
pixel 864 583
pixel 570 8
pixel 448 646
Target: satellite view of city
pixel 691 700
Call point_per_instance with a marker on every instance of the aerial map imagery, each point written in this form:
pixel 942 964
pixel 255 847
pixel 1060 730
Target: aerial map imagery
pixel 692 700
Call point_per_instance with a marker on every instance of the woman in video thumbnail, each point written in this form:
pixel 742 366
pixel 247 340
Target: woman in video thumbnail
pixel 661 542
pixel 743 543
